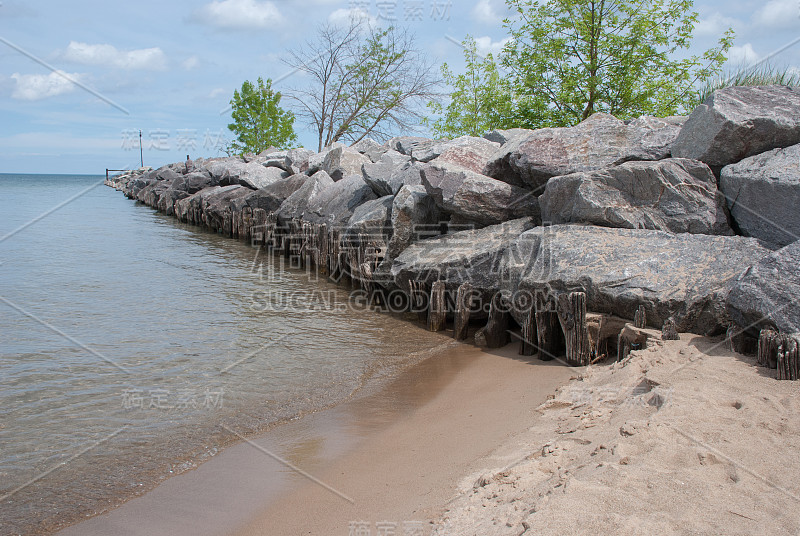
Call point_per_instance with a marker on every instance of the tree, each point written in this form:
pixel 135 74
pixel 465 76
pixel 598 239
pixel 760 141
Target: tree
pixel 258 120
pixel 572 58
pixel 364 81
pixel 481 99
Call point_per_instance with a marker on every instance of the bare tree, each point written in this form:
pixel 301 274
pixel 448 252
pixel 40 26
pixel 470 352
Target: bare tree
pixel 364 82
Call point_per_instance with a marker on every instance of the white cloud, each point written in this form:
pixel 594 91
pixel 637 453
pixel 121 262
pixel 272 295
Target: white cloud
pixel 41 86
pixel 484 12
pixel 778 14
pixel 714 25
pixel 485 45
pixel 216 92
pixel 240 15
pixel 190 63
pixel 343 17
pixel 742 56
pixel 152 59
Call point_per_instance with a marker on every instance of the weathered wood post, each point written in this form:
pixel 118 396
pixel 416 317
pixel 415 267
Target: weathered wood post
pixel 572 316
pixel 527 345
pixel 669 331
pixel 464 298
pixel 768 348
pixel 787 357
pixel 419 299
pixel 548 330
pixel 640 318
pixel 437 310
pixel 495 333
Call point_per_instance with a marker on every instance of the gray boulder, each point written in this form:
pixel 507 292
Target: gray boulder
pixel 600 141
pixel 379 174
pixel 504 136
pixel 343 161
pixel 476 256
pixel 297 203
pixel 336 204
pixel 406 144
pixel 675 194
pixel 251 174
pixel 414 217
pixel 196 181
pixel 467 152
pixel 371 222
pixel 217 212
pixel 684 276
pixel 765 295
pixel 474 198
pixel 763 194
pixel 272 197
pixel 370 148
pixel 737 122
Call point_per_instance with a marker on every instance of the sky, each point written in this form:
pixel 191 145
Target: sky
pixel 169 68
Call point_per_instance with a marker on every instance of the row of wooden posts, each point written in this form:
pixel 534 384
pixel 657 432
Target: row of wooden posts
pixel 549 329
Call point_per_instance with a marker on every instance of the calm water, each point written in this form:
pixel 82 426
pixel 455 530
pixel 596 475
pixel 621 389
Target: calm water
pixel 130 344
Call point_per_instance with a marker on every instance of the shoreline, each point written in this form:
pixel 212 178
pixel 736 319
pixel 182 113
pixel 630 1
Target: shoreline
pixel 452 401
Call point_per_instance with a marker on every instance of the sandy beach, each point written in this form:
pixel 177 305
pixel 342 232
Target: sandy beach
pixel 397 454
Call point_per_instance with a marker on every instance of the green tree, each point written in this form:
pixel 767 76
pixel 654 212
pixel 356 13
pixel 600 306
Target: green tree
pixel 258 120
pixel 571 58
pixel 481 99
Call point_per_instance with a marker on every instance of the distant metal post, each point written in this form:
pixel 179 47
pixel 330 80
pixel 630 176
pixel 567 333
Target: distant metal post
pixel 141 154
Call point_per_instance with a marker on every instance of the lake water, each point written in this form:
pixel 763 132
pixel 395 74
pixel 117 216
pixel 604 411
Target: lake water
pixel 132 347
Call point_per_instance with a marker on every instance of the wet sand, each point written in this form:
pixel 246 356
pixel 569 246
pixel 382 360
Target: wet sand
pixel 395 456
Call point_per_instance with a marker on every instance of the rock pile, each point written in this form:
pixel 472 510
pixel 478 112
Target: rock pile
pixel 678 218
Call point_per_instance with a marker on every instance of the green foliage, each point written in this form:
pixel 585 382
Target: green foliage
pixel 571 58
pixel 764 75
pixel 258 120
pixel 481 99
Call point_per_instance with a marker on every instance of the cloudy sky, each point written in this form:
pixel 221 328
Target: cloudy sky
pixel 169 68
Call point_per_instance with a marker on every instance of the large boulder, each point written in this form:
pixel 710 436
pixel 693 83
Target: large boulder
pixel 414 217
pixel 370 148
pixel 675 194
pixel 296 205
pixel 335 203
pixel 600 141
pixel 196 181
pixel 765 295
pixel 474 198
pixel 379 174
pixel 685 276
pixel 504 136
pixel 467 152
pixel 272 197
pixel 763 194
pixel 252 174
pixel 475 256
pixel 343 161
pixel 370 224
pixel 737 122
pixel 217 209
pixel 406 144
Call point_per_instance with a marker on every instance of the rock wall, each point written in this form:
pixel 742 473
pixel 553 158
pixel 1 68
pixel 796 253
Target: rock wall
pixel 641 217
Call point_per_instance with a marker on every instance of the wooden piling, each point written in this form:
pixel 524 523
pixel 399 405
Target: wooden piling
pixel 437 310
pixel 464 298
pixel 495 333
pixel 572 316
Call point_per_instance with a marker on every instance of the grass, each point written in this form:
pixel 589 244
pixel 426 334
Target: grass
pixel 763 75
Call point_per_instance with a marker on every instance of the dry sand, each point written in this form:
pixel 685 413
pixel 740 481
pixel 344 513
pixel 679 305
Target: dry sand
pixel 681 438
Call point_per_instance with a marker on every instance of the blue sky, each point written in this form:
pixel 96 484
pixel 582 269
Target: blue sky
pixel 170 68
